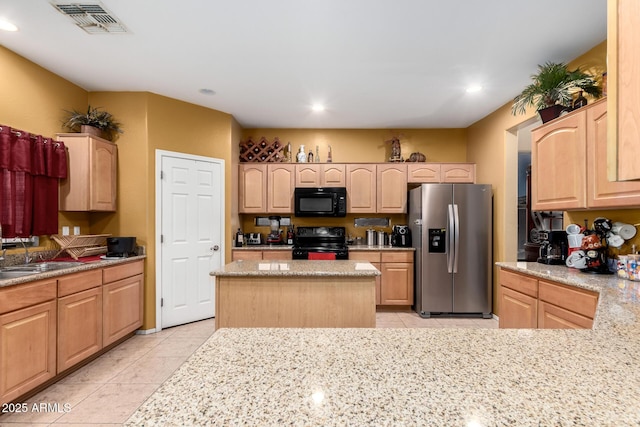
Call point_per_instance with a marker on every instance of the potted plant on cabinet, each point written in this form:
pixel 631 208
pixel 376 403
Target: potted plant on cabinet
pixel 94 121
pixel 552 89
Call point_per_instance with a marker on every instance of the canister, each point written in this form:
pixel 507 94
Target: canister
pixel 371 237
pixel 383 238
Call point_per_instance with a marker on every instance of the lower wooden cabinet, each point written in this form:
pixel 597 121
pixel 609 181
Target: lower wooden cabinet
pixel 27 349
pixel 79 327
pixel 122 308
pixel 395 285
pixel 272 254
pixel 526 302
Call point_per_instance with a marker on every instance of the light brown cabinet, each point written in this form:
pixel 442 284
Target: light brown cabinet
pixel 27 337
pixel 395 285
pixel 271 254
pixel 558 173
pixel 527 302
pixel 320 175
pixel 79 317
pixel 91 181
pixel 265 188
pixel 569 157
pixel 361 188
pixel 623 54
pixel 122 300
pixel 391 191
pixel 424 173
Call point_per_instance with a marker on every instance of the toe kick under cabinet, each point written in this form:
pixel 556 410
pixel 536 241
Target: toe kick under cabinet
pixel 50 326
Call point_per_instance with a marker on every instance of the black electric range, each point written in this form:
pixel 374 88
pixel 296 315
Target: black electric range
pixel 320 243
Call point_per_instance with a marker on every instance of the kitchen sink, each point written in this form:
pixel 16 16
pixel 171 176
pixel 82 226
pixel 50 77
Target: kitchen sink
pixel 38 267
pixel 13 274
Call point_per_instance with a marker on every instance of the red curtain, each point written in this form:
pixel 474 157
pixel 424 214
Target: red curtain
pixel 30 166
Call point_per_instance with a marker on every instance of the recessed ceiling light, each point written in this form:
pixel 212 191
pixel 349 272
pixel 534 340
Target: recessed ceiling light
pixel 474 89
pixel 317 107
pixel 7 26
pixel 207 91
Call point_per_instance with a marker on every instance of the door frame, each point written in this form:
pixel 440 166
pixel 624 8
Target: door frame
pixel 158 218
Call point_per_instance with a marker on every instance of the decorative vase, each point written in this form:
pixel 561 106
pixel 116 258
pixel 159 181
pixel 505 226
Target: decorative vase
pixel 91 130
pixel 550 113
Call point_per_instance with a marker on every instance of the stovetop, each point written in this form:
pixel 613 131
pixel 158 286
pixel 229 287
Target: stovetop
pixel 320 237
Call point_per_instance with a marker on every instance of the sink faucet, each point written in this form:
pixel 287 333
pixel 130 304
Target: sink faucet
pixel 27 258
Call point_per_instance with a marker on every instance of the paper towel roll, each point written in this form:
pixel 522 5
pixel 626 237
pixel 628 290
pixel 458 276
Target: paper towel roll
pixel 626 231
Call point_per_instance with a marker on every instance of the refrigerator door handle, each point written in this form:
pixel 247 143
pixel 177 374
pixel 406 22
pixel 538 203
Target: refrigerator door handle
pixel 456 238
pixel 450 243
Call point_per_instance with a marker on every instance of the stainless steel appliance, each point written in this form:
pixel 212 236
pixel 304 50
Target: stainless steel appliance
pixel 253 238
pixel 320 201
pixel 121 247
pixel 554 247
pixel 451 225
pixel 401 236
pixel 275 235
pixel 320 243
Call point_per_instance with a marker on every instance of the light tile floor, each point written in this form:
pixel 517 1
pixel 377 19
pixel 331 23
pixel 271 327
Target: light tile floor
pixel 109 389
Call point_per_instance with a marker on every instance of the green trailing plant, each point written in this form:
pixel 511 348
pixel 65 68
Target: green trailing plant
pixel 554 84
pixel 95 117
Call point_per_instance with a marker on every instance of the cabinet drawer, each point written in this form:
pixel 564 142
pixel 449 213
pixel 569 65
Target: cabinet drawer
pixel 246 255
pixel 21 296
pixel 78 282
pixel 118 272
pixel 577 300
pixel 553 317
pixel 518 282
pixel 277 255
pixel 364 256
pixel 403 256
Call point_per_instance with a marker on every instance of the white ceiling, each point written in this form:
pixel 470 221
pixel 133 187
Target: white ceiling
pixel 372 63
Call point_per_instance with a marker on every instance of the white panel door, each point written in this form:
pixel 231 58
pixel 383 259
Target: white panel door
pixel 192 211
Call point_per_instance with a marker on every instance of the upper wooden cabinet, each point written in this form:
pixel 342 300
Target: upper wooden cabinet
pixel 391 192
pixel 320 175
pixel 422 173
pixel 623 91
pixel 265 187
pixel 361 188
pixel 558 157
pixel 569 158
pixel 91 182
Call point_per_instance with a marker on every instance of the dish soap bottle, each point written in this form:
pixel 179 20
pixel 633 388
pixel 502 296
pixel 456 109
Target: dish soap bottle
pixel 239 241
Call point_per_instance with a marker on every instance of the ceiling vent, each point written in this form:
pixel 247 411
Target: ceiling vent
pixel 94 18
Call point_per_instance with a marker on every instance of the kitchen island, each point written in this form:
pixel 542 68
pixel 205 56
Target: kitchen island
pixel 296 293
pixel 426 377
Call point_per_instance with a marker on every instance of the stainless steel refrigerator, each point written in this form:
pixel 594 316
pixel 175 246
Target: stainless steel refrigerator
pixel 451 229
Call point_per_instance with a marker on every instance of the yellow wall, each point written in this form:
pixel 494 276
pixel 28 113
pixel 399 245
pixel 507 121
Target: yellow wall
pixel 369 145
pixel 492 146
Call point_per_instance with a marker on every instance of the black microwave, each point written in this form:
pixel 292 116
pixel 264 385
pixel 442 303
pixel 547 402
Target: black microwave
pixel 322 201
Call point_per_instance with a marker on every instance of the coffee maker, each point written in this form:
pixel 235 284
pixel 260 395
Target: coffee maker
pixel 553 248
pixel 401 236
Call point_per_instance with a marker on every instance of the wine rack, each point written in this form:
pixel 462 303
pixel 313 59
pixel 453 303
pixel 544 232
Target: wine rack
pixel 263 151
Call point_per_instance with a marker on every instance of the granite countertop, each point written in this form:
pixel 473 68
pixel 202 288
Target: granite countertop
pixel 81 266
pixel 263 248
pixel 244 268
pixel 420 376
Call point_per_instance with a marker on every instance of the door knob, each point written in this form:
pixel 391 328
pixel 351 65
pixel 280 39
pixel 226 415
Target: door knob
pixel 215 248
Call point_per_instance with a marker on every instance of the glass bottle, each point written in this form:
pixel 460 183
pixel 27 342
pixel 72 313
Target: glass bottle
pixel 310 156
pixel 580 101
pixel 317 158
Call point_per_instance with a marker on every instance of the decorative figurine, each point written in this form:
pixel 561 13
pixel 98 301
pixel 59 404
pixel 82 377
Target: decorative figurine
pixel 396 154
pixel 301 157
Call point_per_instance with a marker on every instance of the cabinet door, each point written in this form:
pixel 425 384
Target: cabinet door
pixel 558 157
pixel 580 301
pixel 332 175
pixel 517 310
pixel 602 193
pixel 397 283
pixel 103 159
pixel 280 186
pixel 458 172
pixel 361 188
pixel 554 317
pixel 122 308
pixel 307 175
pixel 423 172
pixel 79 327
pixel 378 283
pixel 246 255
pixel 252 187
pixel 624 60
pixel 391 196
pixel 27 349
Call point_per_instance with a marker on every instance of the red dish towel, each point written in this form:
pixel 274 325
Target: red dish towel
pixel 322 255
